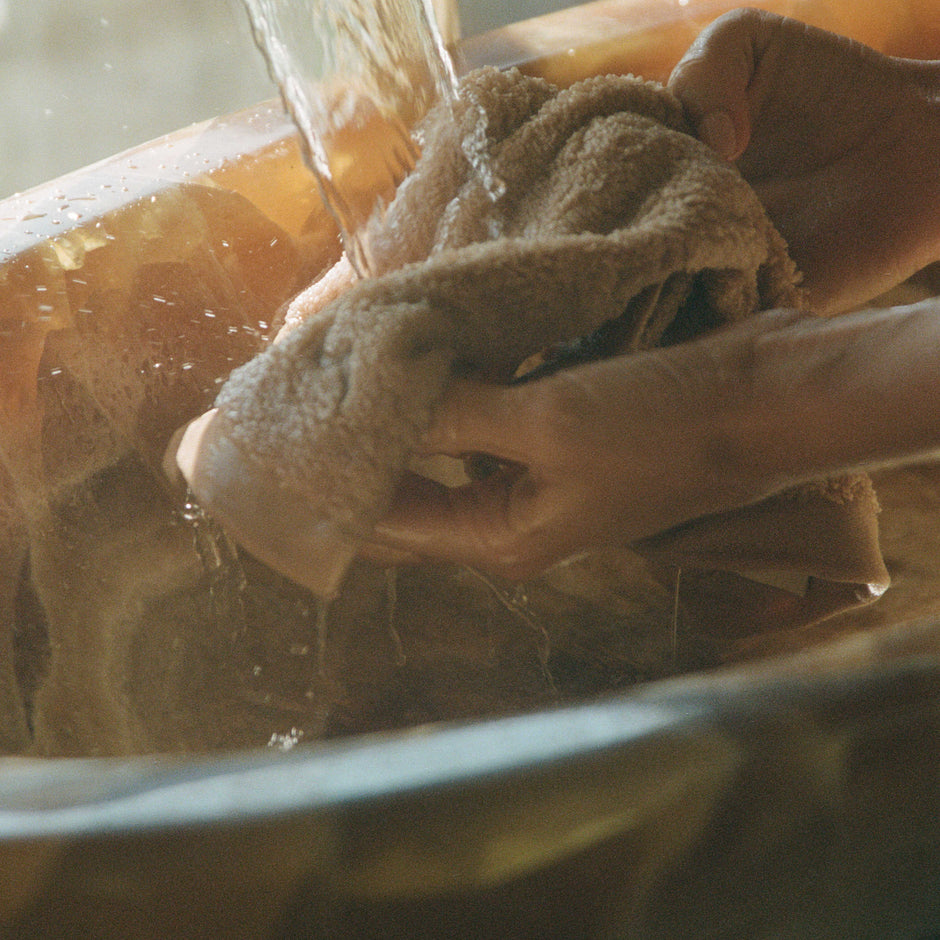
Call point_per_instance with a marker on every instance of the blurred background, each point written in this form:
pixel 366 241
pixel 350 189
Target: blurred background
pixel 81 80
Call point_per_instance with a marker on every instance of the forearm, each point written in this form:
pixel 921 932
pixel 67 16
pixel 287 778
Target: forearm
pixel 905 223
pixel 824 396
pixel 929 73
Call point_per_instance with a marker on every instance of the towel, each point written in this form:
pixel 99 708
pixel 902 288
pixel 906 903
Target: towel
pixel 535 217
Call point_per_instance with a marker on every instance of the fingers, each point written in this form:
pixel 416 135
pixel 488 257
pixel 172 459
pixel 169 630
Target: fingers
pixel 492 524
pixel 311 302
pixel 712 78
pixel 480 418
pixel 506 522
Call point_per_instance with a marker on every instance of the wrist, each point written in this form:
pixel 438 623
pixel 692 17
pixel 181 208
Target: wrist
pixel 826 396
pixel 735 423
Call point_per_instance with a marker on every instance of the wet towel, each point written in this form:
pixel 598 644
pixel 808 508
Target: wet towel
pixel 534 217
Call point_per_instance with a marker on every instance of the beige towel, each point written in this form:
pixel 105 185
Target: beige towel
pixel 534 217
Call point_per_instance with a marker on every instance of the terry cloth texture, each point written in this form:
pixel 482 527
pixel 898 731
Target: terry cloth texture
pixel 534 217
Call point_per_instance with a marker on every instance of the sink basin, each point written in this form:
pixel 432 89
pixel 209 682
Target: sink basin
pixel 169 769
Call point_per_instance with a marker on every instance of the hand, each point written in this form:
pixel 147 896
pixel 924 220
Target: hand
pixel 608 453
pixel 593 456
pixel 839 142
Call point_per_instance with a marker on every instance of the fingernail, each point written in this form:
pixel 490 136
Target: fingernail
pixel 717 130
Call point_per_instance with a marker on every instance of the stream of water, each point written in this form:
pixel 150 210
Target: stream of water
pixel 356 76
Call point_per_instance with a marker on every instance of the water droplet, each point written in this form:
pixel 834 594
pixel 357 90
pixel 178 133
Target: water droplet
pixel 391 607
pixel 322 633
pixel 219 558
pixel 516 602
pixel 284 742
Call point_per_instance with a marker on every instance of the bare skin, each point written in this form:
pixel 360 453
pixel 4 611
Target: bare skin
pixel 839 142
pixel 842 145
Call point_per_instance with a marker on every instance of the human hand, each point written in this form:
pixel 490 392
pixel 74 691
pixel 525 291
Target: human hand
pixel 611 452
pixel 593 456
pixel 839 142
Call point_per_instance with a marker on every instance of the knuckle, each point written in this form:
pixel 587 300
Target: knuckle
pixel 559 409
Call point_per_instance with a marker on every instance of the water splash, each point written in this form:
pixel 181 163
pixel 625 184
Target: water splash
pixel 218 555
pixel 356 76
pixel 391 608
pixel 674 626
pixel 516 601
pixel 286 741
pixel 322 634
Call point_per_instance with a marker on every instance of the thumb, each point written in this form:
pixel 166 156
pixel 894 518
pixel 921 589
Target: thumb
pixel 712 78
pixel 479 417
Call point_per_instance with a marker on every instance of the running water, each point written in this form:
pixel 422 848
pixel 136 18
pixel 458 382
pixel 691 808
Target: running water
pixel 356 76
pixel 516 601
pixel 219 558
